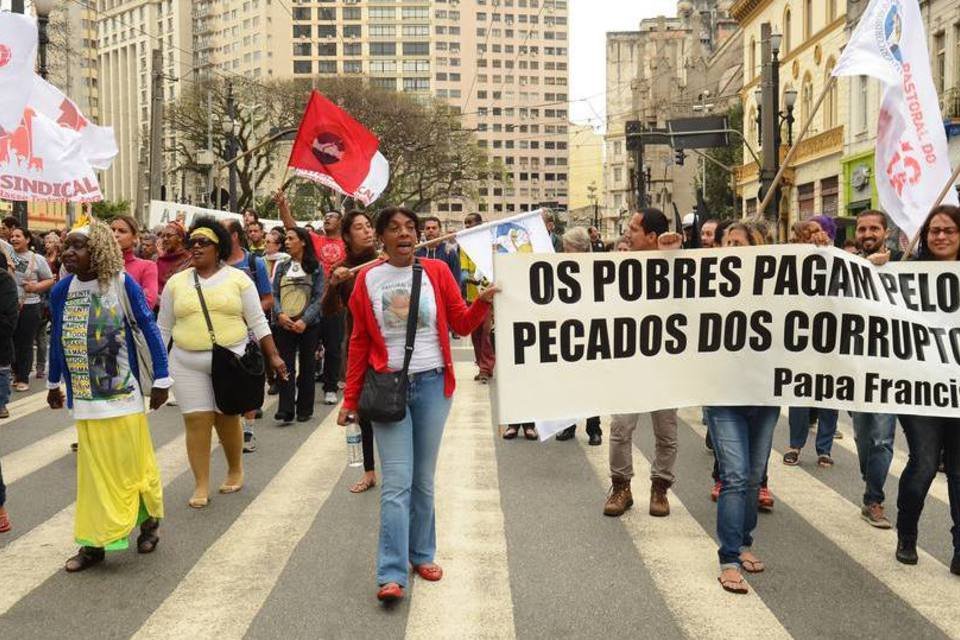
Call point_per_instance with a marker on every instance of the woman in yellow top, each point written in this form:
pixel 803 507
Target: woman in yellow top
pixel 235 312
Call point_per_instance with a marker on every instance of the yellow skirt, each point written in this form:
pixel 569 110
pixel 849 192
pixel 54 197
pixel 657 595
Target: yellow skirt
pixel 118 483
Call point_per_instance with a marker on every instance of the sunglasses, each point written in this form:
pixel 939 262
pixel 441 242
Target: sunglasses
pixel 202 243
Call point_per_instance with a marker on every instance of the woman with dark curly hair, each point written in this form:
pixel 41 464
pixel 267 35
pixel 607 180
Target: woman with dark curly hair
pixel 234 307
pixel 297 291
pixel 930 438
pixel 94 313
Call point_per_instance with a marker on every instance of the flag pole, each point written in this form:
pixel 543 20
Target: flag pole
pixel 796 145
pixel 943 194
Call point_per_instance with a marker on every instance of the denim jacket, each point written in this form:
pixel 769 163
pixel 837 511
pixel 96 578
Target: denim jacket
pixel 312 313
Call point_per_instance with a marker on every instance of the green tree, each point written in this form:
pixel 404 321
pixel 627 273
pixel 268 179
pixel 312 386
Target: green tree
pixel 109 209
pixel 720 197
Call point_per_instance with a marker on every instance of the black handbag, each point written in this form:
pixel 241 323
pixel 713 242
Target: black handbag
pixel 384 395
pixel 238 381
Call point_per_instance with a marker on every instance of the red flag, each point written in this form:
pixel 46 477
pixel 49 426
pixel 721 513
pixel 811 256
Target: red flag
pixel 332 147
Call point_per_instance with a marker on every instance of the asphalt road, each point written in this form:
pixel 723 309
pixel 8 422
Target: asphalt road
pixel 526 550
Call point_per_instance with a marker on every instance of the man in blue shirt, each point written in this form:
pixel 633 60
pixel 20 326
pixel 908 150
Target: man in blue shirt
pixel 446 251
pixel 256 270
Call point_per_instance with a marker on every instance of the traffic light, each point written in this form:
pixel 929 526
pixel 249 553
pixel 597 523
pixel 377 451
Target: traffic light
pixel 679 158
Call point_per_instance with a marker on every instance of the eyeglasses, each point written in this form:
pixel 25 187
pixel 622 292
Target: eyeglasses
pixel 948 232
pixel 202 243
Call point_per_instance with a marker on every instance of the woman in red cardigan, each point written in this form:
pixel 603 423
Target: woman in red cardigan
pixel 408 449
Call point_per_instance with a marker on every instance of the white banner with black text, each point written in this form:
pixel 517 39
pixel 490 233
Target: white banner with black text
pixel 586 334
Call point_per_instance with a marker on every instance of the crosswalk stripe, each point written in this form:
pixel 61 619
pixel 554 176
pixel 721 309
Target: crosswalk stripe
pixel 31 559
pixel 23 462
pixel 929 588
pixel 23 408
pixel 682 560
pixel 229 584
pixel 938 489
pixel 474 599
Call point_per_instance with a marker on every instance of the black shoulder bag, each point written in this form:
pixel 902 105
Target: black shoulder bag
pixel 237 380
pixel 384 395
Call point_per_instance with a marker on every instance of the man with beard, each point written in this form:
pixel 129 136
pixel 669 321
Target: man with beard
pixel 445 251
pixel 648 230
pixel 708 234
pixel 874 432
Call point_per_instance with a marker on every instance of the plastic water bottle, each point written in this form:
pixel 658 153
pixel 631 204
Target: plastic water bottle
pixel 354 445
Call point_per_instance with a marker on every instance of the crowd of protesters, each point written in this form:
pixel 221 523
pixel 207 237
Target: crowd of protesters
pixel 329 306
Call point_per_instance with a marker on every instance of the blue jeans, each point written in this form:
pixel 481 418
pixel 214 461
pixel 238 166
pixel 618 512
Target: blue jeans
pixel 927 439
pixel 5 373
pixel 408 459
pixel 826 428
pixel 742 439
pixel 874 433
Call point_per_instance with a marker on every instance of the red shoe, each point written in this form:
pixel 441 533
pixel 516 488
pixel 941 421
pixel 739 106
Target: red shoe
pixel 390 592
pixel 5 523
pixel 430 572
pixel 765 500
pixel 715 492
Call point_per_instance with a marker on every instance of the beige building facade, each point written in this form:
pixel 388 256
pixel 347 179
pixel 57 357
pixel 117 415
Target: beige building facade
pixel 813 34
pixel 586 166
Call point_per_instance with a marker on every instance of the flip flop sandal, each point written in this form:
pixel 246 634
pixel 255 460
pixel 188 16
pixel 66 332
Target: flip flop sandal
pixel 530 433
pixel 510 433
pixel 362 486
pixel 148 539
pixel 752 566
pixel 86 558
pixel 825 462
pixel 734 586
pixel 791 458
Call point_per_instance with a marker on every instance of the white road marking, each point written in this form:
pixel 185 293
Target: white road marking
pixel 682 559
pixel 226 588
pixel 929 587
pixel 474 599
pixel 23 462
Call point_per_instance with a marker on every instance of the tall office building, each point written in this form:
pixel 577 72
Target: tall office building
pixel 502 63
pixel 127 33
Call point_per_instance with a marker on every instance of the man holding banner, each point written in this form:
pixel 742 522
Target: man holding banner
pixel 644 231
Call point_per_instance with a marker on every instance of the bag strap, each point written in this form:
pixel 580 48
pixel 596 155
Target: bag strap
pixel 413 314
pixel 203 306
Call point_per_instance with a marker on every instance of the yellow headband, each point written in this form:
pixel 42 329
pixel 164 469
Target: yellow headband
pixel 204 232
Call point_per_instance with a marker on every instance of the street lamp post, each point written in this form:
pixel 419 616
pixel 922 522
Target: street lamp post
pixel 704 108
pixel 789 101
pixel 43 9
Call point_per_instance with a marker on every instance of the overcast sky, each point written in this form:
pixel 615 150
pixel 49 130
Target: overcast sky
pixel 590 20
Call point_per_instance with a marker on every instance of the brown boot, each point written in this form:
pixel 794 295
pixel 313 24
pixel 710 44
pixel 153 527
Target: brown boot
pixel 620 498
pixel 659 506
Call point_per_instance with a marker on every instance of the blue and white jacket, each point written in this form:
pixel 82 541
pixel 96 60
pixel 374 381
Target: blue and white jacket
pixel 57 370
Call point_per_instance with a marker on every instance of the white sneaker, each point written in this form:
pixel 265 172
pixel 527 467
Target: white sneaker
pixel 330 397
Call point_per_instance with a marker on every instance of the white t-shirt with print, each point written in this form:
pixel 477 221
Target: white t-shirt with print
pixel 95 347
pixel 389 288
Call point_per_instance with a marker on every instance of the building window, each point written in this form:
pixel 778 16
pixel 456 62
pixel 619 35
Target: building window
pixel 940 61
pixel 383 13
pixel 383 48
pixel 326 15
pixel 753 57
pixel 327 49
pixel 863 96
pixel 302 66
pixel 416 66
pixel 302 31
pixel 302 49
pixel 384 83
pixel 830 105
pixel 415 13
pixel 327 66
pixel 416 48
pixel 383 30
pixel 329 31
pixel 829 196
pixel 416 30
pixel 352 66
pixel 787 32
pixel 805 200
pixel 806 98
pixel 831 11
pixel 352 49
pixel 416 84
pixel 302 14
pixel 383 66
pixel 351 13
pixel 352 31
pixel 807 19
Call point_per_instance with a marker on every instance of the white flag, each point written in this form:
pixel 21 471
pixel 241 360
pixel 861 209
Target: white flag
pixel 524 233
pixel 98 144
pixel 18 55
pixel 912 163
pixel 41 160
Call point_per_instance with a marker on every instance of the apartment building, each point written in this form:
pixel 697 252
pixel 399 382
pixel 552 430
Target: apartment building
pixel 502 63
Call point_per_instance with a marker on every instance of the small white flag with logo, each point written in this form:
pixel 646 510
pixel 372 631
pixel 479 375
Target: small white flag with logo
pixel 98 144
pixel 523 233
pixel 912 163
pixel 18 55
